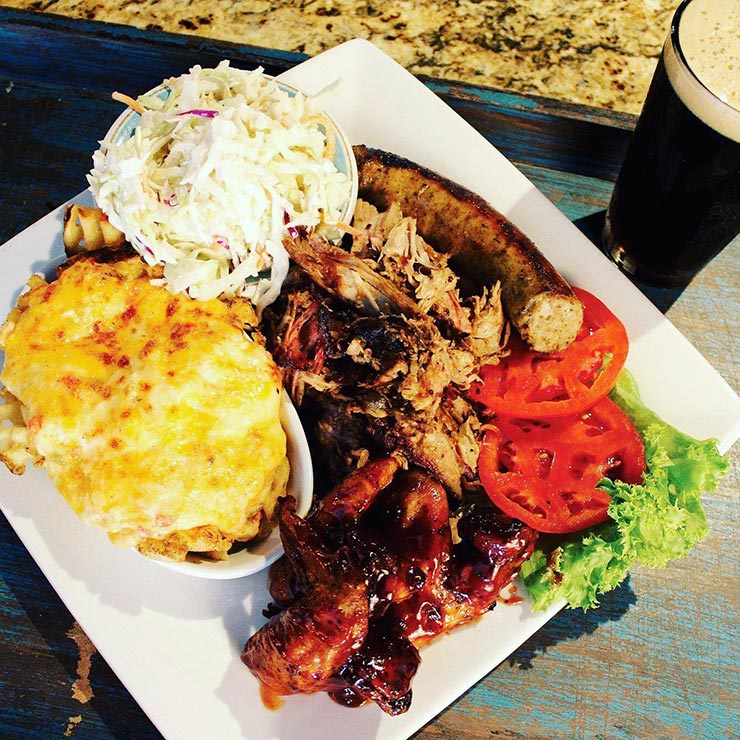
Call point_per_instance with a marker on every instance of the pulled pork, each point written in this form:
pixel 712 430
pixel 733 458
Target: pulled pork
pixel 378 346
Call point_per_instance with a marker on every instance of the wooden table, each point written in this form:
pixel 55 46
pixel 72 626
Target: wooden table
pixel 657 660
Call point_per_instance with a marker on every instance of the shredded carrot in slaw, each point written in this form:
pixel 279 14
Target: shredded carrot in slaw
pixel 349 229
pixel 129 101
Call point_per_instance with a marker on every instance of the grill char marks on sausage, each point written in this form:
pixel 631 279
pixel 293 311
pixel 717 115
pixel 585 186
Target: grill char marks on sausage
pixel 538 301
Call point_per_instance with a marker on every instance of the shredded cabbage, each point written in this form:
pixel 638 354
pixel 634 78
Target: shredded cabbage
pixel 222 163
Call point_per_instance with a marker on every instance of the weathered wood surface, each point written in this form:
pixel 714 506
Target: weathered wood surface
pixel 657 660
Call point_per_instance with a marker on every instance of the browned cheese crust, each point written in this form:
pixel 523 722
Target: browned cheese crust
pixel 538 301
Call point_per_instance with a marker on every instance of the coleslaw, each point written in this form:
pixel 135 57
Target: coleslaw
pixel 222 162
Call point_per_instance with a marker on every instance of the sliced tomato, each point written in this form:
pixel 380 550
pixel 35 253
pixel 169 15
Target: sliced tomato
pixel 544 472
pixel 528 383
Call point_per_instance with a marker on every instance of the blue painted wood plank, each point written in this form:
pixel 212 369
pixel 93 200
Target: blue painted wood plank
pixel 38 663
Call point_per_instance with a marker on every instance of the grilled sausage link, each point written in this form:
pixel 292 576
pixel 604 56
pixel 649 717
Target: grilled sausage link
pixel 538 301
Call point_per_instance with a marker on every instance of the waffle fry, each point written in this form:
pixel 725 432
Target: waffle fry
pixel 86 229
pixel 16 443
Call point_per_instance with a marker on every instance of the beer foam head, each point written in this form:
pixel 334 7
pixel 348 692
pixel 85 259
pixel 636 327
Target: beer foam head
pixel 702 58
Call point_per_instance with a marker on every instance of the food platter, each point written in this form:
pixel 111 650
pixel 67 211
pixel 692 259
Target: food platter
pixel 174 640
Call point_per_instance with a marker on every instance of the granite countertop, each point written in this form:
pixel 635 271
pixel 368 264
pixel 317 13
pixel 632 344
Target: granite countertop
pixel 594 52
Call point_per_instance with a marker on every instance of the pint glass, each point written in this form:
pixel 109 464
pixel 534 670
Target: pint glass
pixel 676 202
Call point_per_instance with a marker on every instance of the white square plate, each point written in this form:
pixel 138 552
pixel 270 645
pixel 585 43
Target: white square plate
pixel 174 641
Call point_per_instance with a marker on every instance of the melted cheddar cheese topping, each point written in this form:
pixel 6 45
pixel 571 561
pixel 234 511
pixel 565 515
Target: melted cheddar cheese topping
pixel 154 413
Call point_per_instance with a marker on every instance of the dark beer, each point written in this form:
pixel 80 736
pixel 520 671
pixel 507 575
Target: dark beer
pixel 676 203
